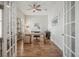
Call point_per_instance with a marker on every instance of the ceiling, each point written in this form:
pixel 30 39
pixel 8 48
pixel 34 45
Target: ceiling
pixel 24 5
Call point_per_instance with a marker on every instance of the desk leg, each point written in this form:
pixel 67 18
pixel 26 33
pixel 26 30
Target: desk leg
pixel 44 40
pixel 30 39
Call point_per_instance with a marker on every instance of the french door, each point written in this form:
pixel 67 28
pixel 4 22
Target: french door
pixel 1 9
pixel 69 28
pixel 9 32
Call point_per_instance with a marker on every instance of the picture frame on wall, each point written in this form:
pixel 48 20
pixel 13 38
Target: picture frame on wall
pixel 55 21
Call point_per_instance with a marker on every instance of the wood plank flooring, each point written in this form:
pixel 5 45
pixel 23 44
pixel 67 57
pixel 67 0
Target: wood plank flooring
pixel 38 49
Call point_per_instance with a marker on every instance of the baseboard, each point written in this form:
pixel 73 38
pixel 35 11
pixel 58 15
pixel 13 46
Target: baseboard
pixel 57 45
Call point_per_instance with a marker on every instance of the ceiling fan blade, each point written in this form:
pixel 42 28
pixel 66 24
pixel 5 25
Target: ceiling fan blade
pixel 37 6
pixel 38 9
pixel 34 6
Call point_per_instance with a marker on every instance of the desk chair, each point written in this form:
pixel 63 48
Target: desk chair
pixel 37 36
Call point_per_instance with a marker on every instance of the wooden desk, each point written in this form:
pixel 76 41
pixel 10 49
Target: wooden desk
pixel 31 35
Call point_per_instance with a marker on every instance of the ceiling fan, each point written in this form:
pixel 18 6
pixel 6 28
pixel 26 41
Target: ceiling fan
pixel 35 7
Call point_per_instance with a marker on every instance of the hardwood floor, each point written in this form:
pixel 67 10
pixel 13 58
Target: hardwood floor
pixel 38 49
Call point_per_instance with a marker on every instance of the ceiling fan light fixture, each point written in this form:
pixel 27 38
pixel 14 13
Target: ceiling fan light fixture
pixel 34 9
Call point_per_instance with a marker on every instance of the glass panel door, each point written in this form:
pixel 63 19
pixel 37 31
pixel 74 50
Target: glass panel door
pixel 0 32
pixel 11 31
pixel 69 28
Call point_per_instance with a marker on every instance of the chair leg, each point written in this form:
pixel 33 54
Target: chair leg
pixel 44 40
pixel 37 39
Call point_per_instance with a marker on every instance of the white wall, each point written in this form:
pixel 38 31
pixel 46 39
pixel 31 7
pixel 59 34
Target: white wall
pixel 56 31
pixel 42 20
pixel 77 29
pixel 56 9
